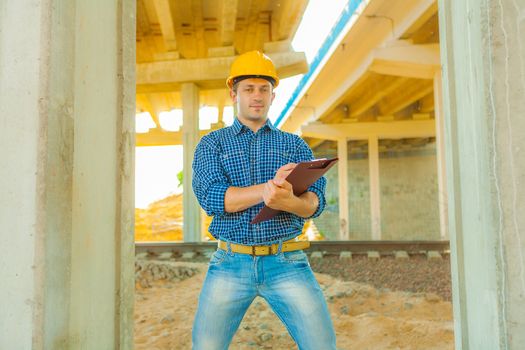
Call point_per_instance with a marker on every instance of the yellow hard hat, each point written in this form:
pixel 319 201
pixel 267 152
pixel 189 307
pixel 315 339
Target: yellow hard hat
pixel 253 64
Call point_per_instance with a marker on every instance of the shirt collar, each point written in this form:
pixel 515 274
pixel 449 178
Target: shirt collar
pixel 270 125
pixel 237 126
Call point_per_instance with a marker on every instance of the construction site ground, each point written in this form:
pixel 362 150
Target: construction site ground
pixel 375 304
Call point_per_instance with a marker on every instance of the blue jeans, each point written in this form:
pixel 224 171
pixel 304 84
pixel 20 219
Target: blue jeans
pixel 284 280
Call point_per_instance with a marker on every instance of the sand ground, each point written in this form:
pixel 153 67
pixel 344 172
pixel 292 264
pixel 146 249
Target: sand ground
pixel 364 317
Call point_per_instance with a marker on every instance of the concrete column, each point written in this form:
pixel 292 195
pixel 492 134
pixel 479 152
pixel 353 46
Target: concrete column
pixel 375 194
pixel 440 155
pixel 342 168
pixel 220 121
pixel 66 116
pixel 483 58
pixel 220 108
pixel 190 138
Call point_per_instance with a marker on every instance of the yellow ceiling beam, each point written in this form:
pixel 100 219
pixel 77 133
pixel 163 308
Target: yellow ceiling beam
pixel 411 61
pixel 159 137
pixel 286 19
pixel 163 9
pixel 143 23
pixel 198 24
pixel 405 97
pixel 426 104
pixel 362 131
pixel 227 22
pixel 372 96
pixel 169 74
pixel 222 51
pixel 144 102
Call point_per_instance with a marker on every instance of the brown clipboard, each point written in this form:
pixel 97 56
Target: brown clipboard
pixel 302 176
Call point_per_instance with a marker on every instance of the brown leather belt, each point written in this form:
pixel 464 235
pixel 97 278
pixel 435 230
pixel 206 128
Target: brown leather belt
pixel 288 246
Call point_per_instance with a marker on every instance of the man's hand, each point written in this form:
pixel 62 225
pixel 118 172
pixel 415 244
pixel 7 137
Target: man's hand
pixel 283 172
pixel 279 195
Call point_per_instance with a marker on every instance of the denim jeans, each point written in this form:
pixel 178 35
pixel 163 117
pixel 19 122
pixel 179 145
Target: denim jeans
pixel 284 280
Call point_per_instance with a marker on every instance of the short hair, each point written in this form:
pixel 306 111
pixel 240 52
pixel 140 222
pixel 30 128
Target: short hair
pixel 236 83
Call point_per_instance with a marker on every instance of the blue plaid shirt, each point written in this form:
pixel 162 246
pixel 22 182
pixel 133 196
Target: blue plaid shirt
pixel 236 156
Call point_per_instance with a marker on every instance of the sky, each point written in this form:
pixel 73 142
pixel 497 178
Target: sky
pixel 156 168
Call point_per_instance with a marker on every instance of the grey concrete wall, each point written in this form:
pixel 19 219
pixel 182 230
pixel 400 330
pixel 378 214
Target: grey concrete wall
pixel 409 198
pixel 359 199
pixel 358 202
pixel 483 55
pixel 67 111
pixel 409 195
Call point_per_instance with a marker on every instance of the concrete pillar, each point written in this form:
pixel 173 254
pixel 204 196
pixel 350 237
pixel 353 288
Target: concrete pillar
pixel 342 168
pixel 440 155
pixel 67 131
pixel 220 121
pixel 375 194
pixel 483 58
pixel 190 138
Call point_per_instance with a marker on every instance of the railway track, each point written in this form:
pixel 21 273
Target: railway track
pixel 370 248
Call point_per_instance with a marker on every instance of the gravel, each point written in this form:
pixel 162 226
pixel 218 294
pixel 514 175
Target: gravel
pixel 416 274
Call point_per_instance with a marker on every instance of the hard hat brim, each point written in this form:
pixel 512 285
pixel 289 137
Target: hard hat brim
pixel 235 80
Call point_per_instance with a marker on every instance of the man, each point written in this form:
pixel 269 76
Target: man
pixel 236 170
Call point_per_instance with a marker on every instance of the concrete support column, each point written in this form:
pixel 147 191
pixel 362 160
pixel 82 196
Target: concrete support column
pixel 342 168
pixel 483 58
pixel 220 121
pixel 375 194
pixel 190 138
pixel 440 155
pixel 67 131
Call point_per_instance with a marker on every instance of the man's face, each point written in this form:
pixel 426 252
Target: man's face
pixel 253 98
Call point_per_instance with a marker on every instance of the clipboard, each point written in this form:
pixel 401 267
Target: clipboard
pixel 302 176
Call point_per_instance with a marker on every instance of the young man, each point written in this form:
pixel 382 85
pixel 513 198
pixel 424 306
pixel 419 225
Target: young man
pixel 236 170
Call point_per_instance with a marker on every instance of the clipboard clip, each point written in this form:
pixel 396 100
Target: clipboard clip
pixel 320 163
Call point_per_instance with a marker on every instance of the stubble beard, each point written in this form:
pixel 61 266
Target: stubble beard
pixel 254 117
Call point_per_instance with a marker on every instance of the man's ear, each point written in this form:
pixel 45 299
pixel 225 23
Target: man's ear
pixel 273 96
pixel 233 96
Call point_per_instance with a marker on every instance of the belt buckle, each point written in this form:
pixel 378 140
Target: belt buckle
pixel 254 250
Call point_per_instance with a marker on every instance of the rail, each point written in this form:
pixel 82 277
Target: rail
pixel 326 247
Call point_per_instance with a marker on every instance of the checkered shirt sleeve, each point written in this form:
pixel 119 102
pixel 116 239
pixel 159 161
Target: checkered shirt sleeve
pixel 209 180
